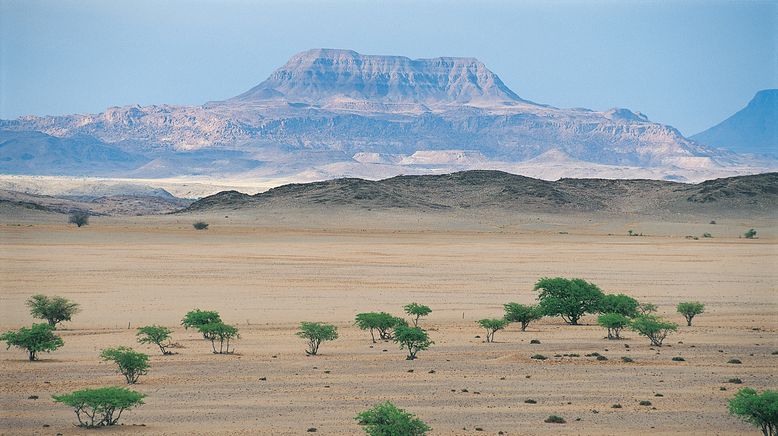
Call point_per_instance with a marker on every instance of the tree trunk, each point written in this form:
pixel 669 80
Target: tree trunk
pixel 31 355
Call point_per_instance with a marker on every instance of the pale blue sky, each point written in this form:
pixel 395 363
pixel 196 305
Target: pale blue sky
pixel 689 64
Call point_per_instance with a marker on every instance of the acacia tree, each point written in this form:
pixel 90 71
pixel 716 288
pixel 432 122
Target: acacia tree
pixel 417 310
pixel 387 420
pixel 196 318
pixel 689 309
pixel 315 333
pixel 155 334
pixel 380 321
pixel 647 309
pixel 219 331
pixel 80 219
pixel 53 309
pixel 131 364
pixel 621 304
pixel 39 337
pixel 522 313
pixel 492 326
pixel 102 406
pixel 653 327
pixel 414 339
pixel 761 410
pixel 614 322
pixel 569 298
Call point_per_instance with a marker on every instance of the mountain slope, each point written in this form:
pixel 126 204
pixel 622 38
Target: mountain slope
pixel 753 129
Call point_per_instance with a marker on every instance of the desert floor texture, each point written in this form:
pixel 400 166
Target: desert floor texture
pixel 266 275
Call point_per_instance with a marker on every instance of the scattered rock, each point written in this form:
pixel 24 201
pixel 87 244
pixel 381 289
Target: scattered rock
pixel 32 397
pixel 311 430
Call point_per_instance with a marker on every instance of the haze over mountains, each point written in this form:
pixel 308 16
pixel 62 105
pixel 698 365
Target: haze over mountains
pixel 335 113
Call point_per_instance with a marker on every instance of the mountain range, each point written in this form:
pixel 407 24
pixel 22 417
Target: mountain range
pixel 334 113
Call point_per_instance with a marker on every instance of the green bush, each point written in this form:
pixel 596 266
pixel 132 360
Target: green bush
pixel 80 219
pixel 200 225
pixel 653 327
pixel 39 337
pixel 522 313
pixel 569 298
pixel 614 322
pixel 619 303
pixel 102 406
pixel 555 419
pixel 413 339
pixel 492 326
pixel 157 335
pixel 760 410
pixel 131 363
pixel 196 318
pixel 219 331
pixel 750 234
pixel 315 333
pixel 647 308
pixel 689 309
pixel 417 310
pixel 382 322
pixel 53 309
pixel 387 420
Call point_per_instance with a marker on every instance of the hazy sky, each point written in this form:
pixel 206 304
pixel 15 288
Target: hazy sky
pixel 685 63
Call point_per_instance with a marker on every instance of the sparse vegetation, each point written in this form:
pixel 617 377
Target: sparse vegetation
pixel 707 235
pixel 382 322
pixel 80 219
pixel 538 357
pixel 157 335
pixel 417 310
pixel 196 318
pixel 387 420
pixel 413 339
pixel 760 410
pixel 569 298
pixel 522 313
pixel 131 363
pixel 620 304
pixel 315 333
pixel 219 331
pixel 555 419
pixel 492 326
pixel 690 309
pixel 678 359
pixel 734 361
pixel 614 322
pixel 200 225
pixel 53 309
pixel 750 234
pixel 653 327
pixel 102 406
pixel 39 337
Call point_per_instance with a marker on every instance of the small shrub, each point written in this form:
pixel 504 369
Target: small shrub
pixel 382 322
pixel 315 333
pixel 413 339
pixel 538 357
pixel 616 406
pixel 492 326
pixel 712 221
pixel 652 327
pixel 734 361
pixel 689 309
pixel 417 310
pixel 750 234
pixel 522 313
pixel 678 359
pixel 614 323
pixel 102 406
pixel 735 381
pixel 760 410
pixel 601 358
pixel 200 225
pixel 554 419
pixel 707 235
pixel 387 420
pixel 154 334
pixel 131 363
pixel 534 341
pixel 80 219
pixel 53 309
pixel 530 401
pixel 39 337
pixel 626 359
pixel 645 403
pixel 219 331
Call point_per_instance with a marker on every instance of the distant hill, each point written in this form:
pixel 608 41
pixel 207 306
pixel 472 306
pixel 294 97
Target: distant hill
pixel 498 190
pixel 753 129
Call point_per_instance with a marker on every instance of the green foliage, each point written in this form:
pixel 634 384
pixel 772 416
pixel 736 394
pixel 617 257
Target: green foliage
pixel 154 334
pixel 53 309
pixel 555 419
pixel 39 337
pixel 647 308
pixel 383 322
pixel 614 322
pixel 417 310
pixel 387 420
pixel 619 303
pixel 522 313
pixel 414 339
pixel 750 234
pixel 131 363
pixel 689 309
pixel 707 235
pixel 200 225
pixel 79 219
pixel 569 298
pixel 219 331
pixel 196 318
pixel 760 410
pixel 102 406
pixel 492 326
pixel 653 327
pixel 315 333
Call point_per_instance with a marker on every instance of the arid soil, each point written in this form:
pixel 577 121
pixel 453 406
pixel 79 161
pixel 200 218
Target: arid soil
pixel 265 274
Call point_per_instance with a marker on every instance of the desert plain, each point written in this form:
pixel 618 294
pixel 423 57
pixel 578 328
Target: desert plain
pixel 265 273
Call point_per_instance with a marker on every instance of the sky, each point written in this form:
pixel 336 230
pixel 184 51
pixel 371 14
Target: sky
pixel 689 64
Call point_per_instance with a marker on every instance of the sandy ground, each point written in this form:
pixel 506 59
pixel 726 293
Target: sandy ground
pixel 266 274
